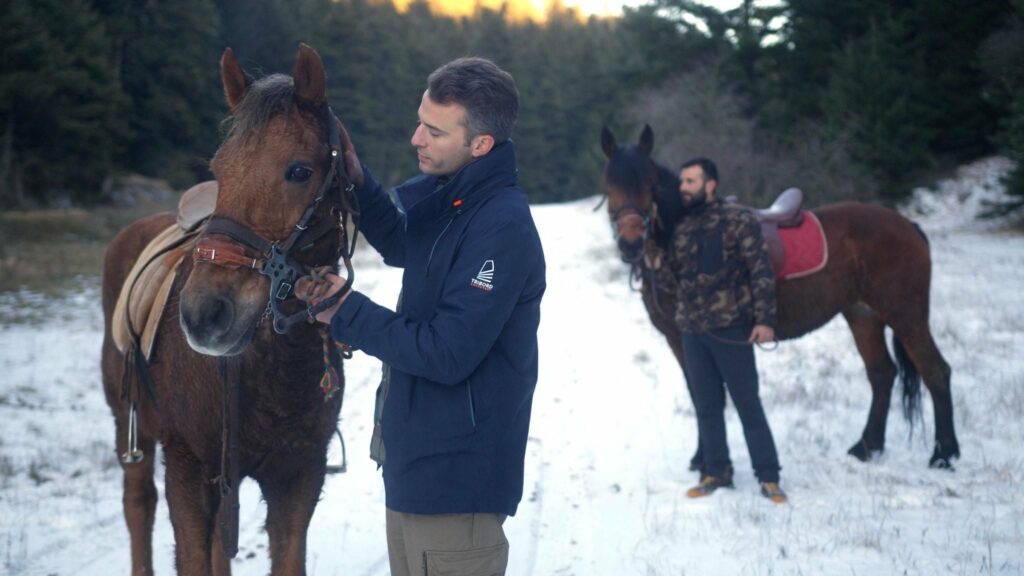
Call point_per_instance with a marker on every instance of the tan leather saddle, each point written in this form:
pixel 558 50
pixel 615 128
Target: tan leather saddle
pixel 145 291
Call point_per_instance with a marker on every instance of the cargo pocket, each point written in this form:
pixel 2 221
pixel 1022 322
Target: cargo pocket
pixel 489 561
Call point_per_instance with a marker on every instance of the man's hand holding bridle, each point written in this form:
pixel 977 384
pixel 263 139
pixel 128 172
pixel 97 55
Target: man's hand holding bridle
pixel 318 286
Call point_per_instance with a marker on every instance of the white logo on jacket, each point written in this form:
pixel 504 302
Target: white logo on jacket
pixel 484 277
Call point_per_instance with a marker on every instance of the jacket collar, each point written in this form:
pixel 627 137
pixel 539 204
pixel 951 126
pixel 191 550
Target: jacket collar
pixel 424 198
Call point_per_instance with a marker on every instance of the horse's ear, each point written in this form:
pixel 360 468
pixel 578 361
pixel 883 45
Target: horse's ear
pixel 236 81
pixel 310 78
pixel 646 140
pixel 608 142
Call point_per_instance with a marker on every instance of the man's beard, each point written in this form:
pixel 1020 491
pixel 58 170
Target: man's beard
pixel 695 199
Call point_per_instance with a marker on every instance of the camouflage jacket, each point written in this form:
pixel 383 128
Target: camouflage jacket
pixel 719 265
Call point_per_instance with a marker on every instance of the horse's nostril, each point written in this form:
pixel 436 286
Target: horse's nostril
pixel 209 319
pixel 220 314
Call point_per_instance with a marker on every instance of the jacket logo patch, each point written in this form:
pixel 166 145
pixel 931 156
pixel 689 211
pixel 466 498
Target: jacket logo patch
pixel 484 277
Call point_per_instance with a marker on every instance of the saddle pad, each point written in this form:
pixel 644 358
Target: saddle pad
pixel 805 247
pixel 145 291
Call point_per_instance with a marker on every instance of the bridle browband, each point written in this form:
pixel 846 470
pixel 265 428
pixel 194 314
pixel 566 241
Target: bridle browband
pixel 276 260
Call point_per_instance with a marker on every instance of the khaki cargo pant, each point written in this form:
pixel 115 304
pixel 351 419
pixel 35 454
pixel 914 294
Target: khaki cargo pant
pixel 446 544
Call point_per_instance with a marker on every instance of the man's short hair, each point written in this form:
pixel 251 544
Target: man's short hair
pixel 709 168
pixel 487 92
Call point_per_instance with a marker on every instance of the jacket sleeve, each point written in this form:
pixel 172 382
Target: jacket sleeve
pixel 380 221
pixel 762 278
pixel 473 309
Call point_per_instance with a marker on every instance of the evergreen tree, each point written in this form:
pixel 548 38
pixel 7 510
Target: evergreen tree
pixel 59 103
pixel 165 55
pixel 875 96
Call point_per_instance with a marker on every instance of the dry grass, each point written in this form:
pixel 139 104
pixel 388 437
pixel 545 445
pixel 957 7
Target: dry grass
pixel 41 249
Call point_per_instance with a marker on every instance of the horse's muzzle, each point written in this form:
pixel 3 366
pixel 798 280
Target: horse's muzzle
pixel 631 251
pixel 216 322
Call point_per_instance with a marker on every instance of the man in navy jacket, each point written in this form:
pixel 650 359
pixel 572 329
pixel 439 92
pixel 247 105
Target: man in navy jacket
pixel 460 354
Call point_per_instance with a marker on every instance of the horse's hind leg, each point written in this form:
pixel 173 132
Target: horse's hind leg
pixel 139 498
pixel 869 335
pixel 935 371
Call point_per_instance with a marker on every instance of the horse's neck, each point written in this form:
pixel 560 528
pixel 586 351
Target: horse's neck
pixel 669 206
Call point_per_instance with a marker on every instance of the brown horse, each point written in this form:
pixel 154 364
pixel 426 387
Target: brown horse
pixel 878 274
pixel 277 175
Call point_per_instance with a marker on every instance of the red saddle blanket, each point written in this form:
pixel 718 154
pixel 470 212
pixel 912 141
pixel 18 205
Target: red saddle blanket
pixel 805 248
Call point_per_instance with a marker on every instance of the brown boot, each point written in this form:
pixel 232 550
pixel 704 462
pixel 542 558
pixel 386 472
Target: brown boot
pixel 708 485
pixel 773 492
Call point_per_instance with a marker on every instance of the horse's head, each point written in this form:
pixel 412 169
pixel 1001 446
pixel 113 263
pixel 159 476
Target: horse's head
pixel 273 169
pixel 631 183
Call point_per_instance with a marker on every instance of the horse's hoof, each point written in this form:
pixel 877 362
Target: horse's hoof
pixel 861 452
pixel 941 461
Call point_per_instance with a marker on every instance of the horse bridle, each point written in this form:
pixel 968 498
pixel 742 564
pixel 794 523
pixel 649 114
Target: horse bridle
pixel 276 260
pixel 631 209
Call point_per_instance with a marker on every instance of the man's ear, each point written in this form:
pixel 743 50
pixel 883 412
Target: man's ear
pixel 711 186
pixel 481 145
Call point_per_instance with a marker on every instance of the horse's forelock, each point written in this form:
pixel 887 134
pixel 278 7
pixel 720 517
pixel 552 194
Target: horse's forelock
pixel 627 170
pixel 267 98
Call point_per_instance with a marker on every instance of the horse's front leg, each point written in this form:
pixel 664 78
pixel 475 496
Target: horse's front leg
pixel 291 499
pixel 139 498
pixel 192 502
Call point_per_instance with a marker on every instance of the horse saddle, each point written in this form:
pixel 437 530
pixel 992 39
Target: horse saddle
pixel 145 291
pixel 794 238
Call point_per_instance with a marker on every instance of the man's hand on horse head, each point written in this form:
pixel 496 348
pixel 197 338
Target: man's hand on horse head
pixel 353 167
pixel 318 286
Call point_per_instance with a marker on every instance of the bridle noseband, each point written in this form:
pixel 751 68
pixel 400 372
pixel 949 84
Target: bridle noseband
pixel 276 260
pixel 631 209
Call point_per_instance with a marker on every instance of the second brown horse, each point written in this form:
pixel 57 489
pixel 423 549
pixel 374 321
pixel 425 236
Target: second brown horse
pixel 878 275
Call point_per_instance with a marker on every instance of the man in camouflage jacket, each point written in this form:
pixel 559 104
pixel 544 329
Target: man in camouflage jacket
pixel 726 302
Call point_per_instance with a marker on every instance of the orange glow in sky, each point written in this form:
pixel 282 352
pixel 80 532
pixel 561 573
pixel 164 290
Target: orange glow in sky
pixel 519 10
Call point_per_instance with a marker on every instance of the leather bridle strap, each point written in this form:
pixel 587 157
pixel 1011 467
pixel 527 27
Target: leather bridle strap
pixel 227 254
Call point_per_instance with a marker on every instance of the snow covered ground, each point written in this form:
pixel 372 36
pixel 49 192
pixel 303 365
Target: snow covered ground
pixel 612 431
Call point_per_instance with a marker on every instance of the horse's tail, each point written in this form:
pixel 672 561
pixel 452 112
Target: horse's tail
pixel 911 381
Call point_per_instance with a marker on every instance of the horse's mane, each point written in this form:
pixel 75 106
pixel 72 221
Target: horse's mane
pixel 670 205
pixel 629 168
pixel 266 98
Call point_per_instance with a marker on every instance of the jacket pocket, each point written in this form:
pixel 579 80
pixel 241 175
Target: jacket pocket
pixel 438 411
pixel 489 561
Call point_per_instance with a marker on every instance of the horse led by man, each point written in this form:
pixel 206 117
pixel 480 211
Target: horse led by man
pixel 877 275
pixel 233 381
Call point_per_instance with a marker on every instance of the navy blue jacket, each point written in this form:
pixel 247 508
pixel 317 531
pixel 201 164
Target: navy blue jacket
pixel 463 350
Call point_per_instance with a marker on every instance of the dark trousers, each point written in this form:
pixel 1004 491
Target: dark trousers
pixel 710 364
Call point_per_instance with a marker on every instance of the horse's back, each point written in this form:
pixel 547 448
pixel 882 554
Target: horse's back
pixel 868 225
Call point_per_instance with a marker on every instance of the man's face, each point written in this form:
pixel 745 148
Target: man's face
pixel 440 138
pixel 693 188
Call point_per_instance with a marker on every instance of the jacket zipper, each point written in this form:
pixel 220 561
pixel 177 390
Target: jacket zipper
pixel 438 239
pixel 472 408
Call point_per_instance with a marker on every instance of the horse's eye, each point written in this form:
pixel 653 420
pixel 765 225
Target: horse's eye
pixel 298 174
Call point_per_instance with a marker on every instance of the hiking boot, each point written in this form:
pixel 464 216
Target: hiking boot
pixel 708 485
pixel 773 492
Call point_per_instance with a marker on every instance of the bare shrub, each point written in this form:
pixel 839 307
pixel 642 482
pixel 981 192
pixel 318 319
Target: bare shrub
pixel 694 115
